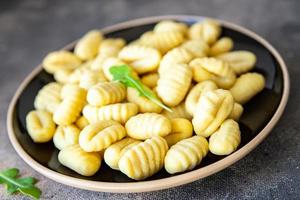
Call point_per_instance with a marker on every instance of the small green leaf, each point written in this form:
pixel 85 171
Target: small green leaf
pixel 13 172
pixel 123 74
pixel 34 192
pixel 27 181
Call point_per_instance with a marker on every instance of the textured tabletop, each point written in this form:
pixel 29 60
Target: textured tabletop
pixel 31 28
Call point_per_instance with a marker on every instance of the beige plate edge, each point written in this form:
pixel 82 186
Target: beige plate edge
pixel 144 186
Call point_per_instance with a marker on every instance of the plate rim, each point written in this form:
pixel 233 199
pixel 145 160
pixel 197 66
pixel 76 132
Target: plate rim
pixel 164 183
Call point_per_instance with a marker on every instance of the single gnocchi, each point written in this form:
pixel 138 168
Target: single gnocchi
pixel 212 109
pixel 147 125
pixel 114 152
pixel 150 79
pixel 181 129
pixel 98 136
pixel 106 93
pixel 198 48
pixel 84 163
pixel 225 140
pixel 172 87
pixel 247 86
pixel 40 126
pixel 81 122
pixel 213 69
pixel 186 154
pixel 168 25
pixel 65 136
pixel 71 106
pixel 89 78
pixel 178 111
pixel 223 45
pixel 144 159
pixel 236 112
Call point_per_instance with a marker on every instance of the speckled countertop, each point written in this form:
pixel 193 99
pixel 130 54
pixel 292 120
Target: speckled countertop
pixel 31 28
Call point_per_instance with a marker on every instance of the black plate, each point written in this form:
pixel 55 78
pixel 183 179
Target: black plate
pixel 256 115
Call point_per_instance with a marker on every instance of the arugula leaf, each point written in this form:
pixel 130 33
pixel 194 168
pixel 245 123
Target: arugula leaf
pixel 23 185
pixel 123 73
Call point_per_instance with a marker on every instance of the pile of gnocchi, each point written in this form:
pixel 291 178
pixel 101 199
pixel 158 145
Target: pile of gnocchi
pixel 90 117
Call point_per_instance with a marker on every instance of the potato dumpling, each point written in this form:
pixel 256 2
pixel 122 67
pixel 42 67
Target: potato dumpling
pixel 144 159
pixel 40 126
pixel 240 61
pixel 144 104
pixel 84 163
pixel 150 79
pixel 212 109
pixel 223 45
pixel 198 48
pixel 168 25
pixel 81 122
pixel 87 47
pixel 114 152
pixel 108 63
pixel 225 140
pixel 71 106
pixel 209 30
pixel 48 98
pixel 173 86
pixel 147 125
pixel 213 69
pixel 142 59
pixel 110 47
pixel 90 78
pixel 236 112
pixel 178 111
pixel 181 129
pixel 98 136
pixel 106 93
pixel 175 56
pixel 247 86
pixel 162 41
pixel 186 154
pixel 59 60
pixel 65 136
pixel 195 93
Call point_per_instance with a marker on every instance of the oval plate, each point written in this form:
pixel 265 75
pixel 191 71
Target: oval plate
pixel 260 116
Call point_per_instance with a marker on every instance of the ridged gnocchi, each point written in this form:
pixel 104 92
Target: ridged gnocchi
pixel 69 109
pixel 150 79
pixel 106 93
pixel 87 47
pixel 81 122
pixel 168 25
pixel 142 59
pixel 65 136
pixel 247 86
pixel 114 152
pixel 186 154
pixel 48 98
pixel 223 45
pixel 119 112
pixel 181 129
pixel 173 86
pixel 144 159
pixel 178 111
pixel 212 109
pixel 236 112
pixel 147 125
pixel 98 136
pixel 84 163
pixel 198 48
pixel 40 126
pixel 89 78
pixel 213 69
pixel 225 140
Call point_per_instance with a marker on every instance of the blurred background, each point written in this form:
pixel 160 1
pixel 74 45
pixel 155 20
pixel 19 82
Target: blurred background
pixel 31 28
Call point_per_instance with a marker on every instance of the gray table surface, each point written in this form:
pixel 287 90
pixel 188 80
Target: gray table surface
pixel 31 28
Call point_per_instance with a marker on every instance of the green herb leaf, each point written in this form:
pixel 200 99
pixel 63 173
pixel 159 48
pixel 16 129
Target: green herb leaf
pixel 23 185
pixel 123 73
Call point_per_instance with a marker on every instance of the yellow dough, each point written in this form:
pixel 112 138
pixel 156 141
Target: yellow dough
pixel 65 136
pixel 84 163
pixel 212 109
pixel 186 154
pixel 179 111
pixel 247 86
pixel 198 48
pixel 181 129
pixel 173 86
pixel 240 61
pixel 87 47
pixel 98 136
pixel 213 69
pixel 144 159
pixel 168 25
pixel 114 152
pixel 40 126
pixel 81 122
pixel 147 125
pixel 150 80
pixel 195 93
pixel 223 45
pixel 225 140
pixel 236 112
pixel 89 78
pixel 106 93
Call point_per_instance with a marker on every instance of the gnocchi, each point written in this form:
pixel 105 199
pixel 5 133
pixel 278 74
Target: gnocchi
pixel 181 129
pixel 65 136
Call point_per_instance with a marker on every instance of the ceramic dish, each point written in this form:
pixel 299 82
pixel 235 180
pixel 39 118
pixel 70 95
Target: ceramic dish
pixel 260 116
